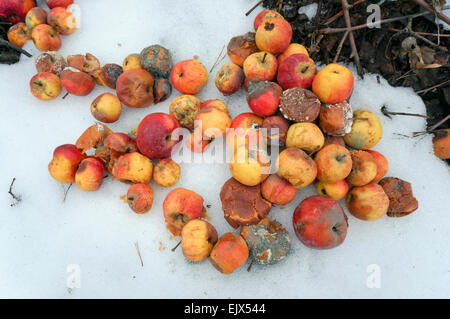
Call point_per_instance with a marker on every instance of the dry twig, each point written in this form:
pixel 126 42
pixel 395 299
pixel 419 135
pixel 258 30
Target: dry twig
pixel 352 38
pixel 139 253
pixel 15 197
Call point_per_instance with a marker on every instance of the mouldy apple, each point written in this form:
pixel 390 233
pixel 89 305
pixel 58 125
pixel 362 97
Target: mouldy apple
pixel 296 167
pixel 229 253
pixel 19 34
pixel 263 97
pixel 62 20
pixel 120 142
pixel 184 108
pixel 45 86
pixel 64 164
pixel 14 11
pixel 333 84
pixel 336 119
pixel 166 173
pixel 77 83
pixel 180 206
pixel 320 222
pixel 51 61
pixel 189 76
pixel 243 205
pixel 273 35
pixel 108 75
pixel 297 70
pixel 299 105
pixel 140 198
pixel 89 174
pixel 157 60
pixel 45 38
pixel 198 238
pixel 268 241
pixel 157 135
pixel 135 88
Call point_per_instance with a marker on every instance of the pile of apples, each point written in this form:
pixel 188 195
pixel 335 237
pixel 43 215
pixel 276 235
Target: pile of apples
pixel 34 23
pixel 308 116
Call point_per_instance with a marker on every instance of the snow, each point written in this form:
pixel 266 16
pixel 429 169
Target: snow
pixel 42 239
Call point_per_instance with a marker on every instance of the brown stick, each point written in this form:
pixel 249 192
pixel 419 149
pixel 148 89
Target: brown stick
pixel 433 87
pixel 435 126
pixel 424 33
pixel 362 26
pixel 139 253
pixel 339 49
pixel 430 9
pixel 352 38
pixel 254 7
pixel 337 15
pixel 387 113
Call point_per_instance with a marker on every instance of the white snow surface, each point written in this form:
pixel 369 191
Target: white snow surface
pixel 41 236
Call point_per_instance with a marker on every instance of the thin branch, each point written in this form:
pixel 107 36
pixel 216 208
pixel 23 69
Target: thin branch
pixel 340 13
pixel 374 24
pixel 175 248
pixel 423 33
pixel 433 87
pixel 388 114
pixel 217 60
pixel 254 7
pixel 339 49
pixel 435 126
pixel 352 38
pixel 139 253
pixel 66 191
pixel 430 9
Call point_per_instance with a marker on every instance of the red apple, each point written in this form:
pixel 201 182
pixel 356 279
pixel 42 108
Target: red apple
pixel 154 135
pixel 263 97
pixel 320 222
pixel 58 3
pixel 15 11
pixel 297 70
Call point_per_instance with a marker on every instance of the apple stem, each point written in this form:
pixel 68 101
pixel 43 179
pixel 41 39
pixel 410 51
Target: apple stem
pixel 264 57
pixel 65 95
pixel 175 248
pixel 250 267
pixel 254 7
